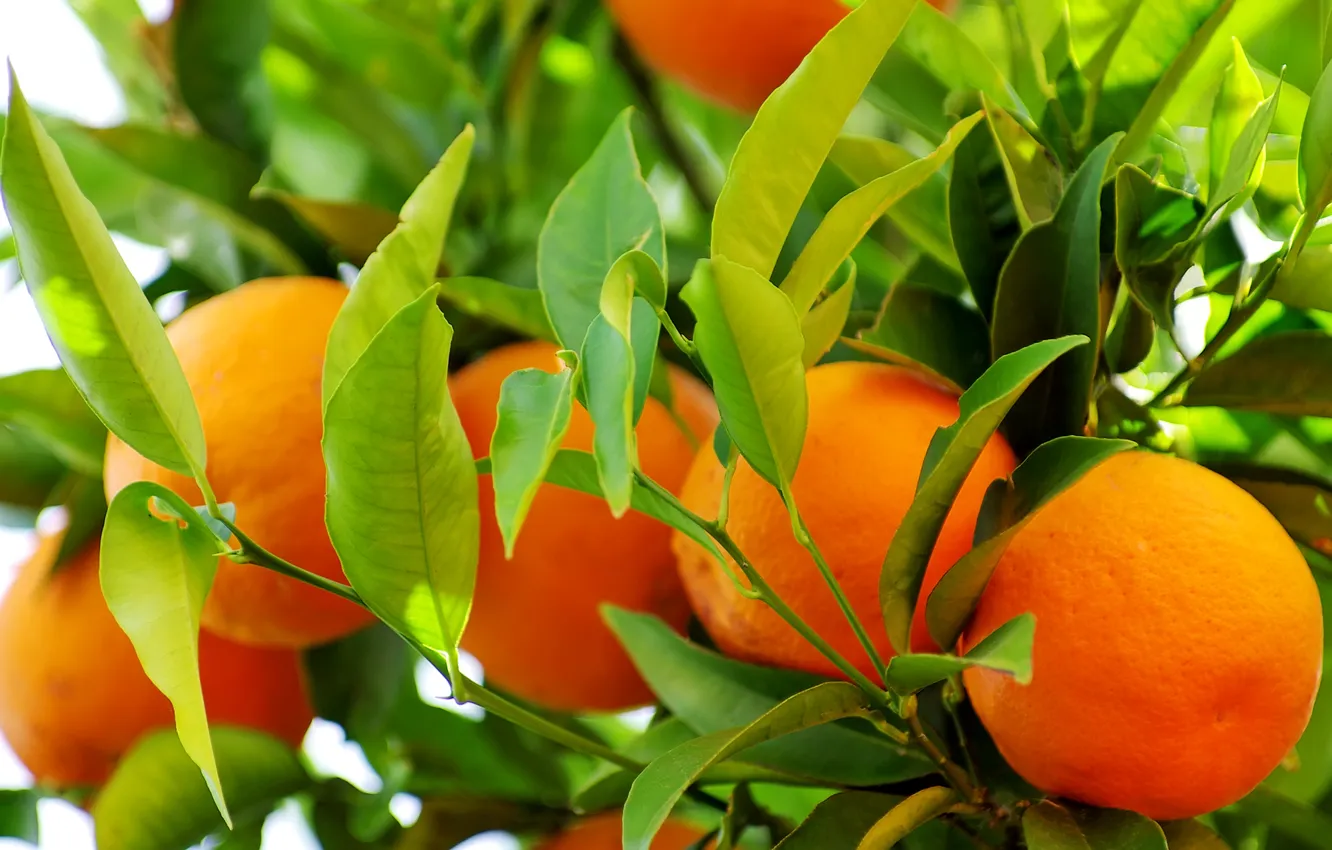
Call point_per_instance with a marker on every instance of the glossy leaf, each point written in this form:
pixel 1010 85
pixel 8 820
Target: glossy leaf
pixel 851 218
pixel 108 337
pixel 155 800
pixel 982 215
pixel 218 45
pixel 533 416
pixel 822 325
pixel 608 375
pixel 1154 230
pixel 1006 649
pixel 1032 172
pixel 712 693
pixel 839 821
pixel 606 210
pixel 1238 101
pixel 779 156
pixel 1046 472
pixel 1050 288
pixel 1049 826
pixel 158 560
pixel 48 404
pixel 1315 156
pixel 926 330
pixel 904 818
pixel 512 307
pixel 1243 381
pixel 661 784
pixel 748 335
pixel 402 493
pixel 404 266
pixel 949 460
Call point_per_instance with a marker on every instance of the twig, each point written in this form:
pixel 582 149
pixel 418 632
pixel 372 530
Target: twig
pixel 954 774
pixel 252 553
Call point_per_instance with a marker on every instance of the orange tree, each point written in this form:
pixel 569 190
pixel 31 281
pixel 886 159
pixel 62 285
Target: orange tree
pixel 1006 523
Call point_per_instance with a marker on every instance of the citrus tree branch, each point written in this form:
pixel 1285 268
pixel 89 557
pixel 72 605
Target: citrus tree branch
pixel 252 553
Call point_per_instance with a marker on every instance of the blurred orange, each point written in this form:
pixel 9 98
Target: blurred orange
pixel 603 832
pixel 73 698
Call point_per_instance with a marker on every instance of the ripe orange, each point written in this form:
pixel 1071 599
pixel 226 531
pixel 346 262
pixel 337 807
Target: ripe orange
pixel 1179 641
pixel 535 623
pixel 254 358
pixel 869 427
pixel 733 51
pixel 73 698
pixel 602 832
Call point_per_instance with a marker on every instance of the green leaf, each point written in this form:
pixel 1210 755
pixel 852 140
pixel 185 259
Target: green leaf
pixel 29 476
pixel 1316 156
pixel 156 801
pixel 1304 285
pixel 604 211
pixel 608 375
pixel 577 470
pixel 926 330
pixel 107 335
pixel 748 334
pixel 512 307
pixel 218 45
pixel 402 493
pixel 118 27
pixel 783 150
pixel 839 821
pixel 83 500
pixel 156 573
pixel 712 693
pixel 904 818
pixel 645 277
pixel 47 403
pixel 934 39
pixel 661 784
pixel 353 229
pixel 533 416
pixel 1287 816
pixel 1032 172
pixel 1006 649
pixel 18 814
pixel 1238 102
pixel 982 217
pixel 1302 502
pixel 1050 826
pixel 1191 835
pixel 404 266
pixel 822 326
pixel 1243 381
pixel 949 460
pixel 1050 287
pixel 1046 472
pixel 851 218
pixel 1155 226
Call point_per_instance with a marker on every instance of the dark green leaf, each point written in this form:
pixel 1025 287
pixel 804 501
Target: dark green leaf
pixel 156 800
pixel 1191 835
pixel 840 821
pixel 402 493
pixel 1050 288
pixel 1287 816
pixel 661 784
pixel 927 330
pixel 982 215
pixel 1110 829
pixel 1154 230
pixel 606 210
pixel 218 44
pixel 1050 469
pixel 951 455
pixel 49 406
pixel 512 307
pixel 904 818
pixel 118 26
pixel 533 415
pixel 29 475
pixel 353 229
pixel 1243 381
pixel 712 693
pixel 18 815
pixel 404 266
pixel 1032 172
pixel 83 500
pixel 1050 826
pixel 105 331
pixel 748 334
pixel 780 155
pixel 1006 649
pixel 156 572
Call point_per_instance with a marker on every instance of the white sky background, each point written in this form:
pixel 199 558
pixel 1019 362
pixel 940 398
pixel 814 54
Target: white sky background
pixel 62 73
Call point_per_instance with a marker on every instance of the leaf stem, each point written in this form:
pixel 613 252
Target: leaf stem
pixel 954 774
pixel 252 553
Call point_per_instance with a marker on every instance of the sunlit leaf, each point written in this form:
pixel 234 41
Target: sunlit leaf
pixel 1243 381
pixel 823 324
pixel 533 415
pixel 904 818
pixel 1154 230
pixel 1237 102
pixel 1032 172
pixel 1007 649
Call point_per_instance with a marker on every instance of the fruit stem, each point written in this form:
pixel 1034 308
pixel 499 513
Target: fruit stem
pixel 807 540
pixel 878 696
pixel 252 553
pixel 955 775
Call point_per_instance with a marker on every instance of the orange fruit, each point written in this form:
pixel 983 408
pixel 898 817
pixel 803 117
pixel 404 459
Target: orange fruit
pixel 603 831
pixel 1179 641
pixel 254 358
pixel 535 623
pixel 73 698
pixel 869 427
pixel 735 52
